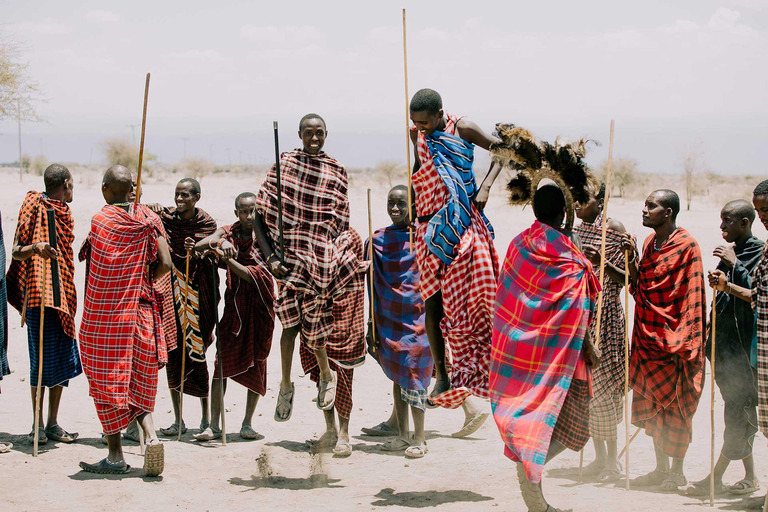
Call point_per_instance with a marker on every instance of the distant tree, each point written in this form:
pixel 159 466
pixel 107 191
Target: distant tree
pixel 691 163
pixel 195 167
pixel 119 151
pixel 25 162
pixel 18 91
pixel 39 164
pixel 391 172
pixel 624 174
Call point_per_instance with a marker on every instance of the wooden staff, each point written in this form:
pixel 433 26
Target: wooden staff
pixel 279 196
pixel 218 357
pixel 627 441
pixel 184 348
pixel 581 465
pixel 141 144
pixel 631 440
pixel 713 330
pixel 408 138
pixel 370 273
pixel 604 227
pixel 40 363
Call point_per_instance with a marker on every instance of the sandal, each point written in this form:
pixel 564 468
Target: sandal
pixel 416 451
pixel 397 444
pixel 608 475
pixel 132 434
pixel 744 486
pixel 173 430
pixel 342 449
pixel 288 402
pixel 247 432
pixel 701 488
pixel 41 437
pixel 594 468
pixel 430 404
pixel 673 482
pixel 380 430
pixel 472 425
pixel 59 434
pixel 655 477
pixel 329 389
pixel 5 447
pixel 154 459
pixel 105 467
pixel 208 434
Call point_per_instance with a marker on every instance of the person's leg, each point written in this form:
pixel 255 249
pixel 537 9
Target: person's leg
pixel 33 391
pixel 662 461
pixel 54 400
pixel 401 412
pixel 251 401
pixel 434 315
pixel 115 446
pixel 600 453
pixel 287 346
pixel 612 455
pixel 216 404
pixel 175 399
pixel 749 468
pixel 148 426
pixel 418 425
pixel 343 431
pixel 205 419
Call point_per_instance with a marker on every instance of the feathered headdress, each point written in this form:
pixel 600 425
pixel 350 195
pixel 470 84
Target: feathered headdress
pixel 562 162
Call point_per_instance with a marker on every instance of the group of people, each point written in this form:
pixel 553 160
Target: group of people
pixel 521 334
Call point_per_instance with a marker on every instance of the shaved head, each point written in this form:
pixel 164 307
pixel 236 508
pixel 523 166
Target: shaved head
pixel 116 184
pixel 668 199
pixel 740 209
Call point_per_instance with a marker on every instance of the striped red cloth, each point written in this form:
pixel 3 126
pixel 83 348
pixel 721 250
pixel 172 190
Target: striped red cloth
pixel 121 337
pixel 346 344
pixel 248 322
pixel 667 361
pixel 26 276
pixel 468 285
pixel 544 304
pixel 760 306
pixel 317 247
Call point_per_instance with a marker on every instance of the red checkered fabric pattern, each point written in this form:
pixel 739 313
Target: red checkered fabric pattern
pixel 572 427
pixel 317 245
pixel 121 319
pixel 347 341
pixel 760 305
pixel 468 285
pixel 667 361
pixel 25 277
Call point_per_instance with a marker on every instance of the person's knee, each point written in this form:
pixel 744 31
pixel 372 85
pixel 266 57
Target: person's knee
pixel 289 335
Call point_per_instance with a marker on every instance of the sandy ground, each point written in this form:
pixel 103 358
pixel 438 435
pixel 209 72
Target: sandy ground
pixel 277 471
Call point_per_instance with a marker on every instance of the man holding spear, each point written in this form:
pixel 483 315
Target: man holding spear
pixel 309 211
pixel 61 361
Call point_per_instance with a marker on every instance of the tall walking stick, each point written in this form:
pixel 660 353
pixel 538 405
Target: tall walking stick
pixel 40 363
pixel 184 348
pixel 370 273
pixel 279 196
pixel 54 243
pixel 409 170
pixel 141 144
pixel 218 358
pixel 627 441
pixel 713 330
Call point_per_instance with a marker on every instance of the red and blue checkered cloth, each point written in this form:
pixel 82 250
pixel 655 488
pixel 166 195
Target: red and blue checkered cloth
pixel 544 305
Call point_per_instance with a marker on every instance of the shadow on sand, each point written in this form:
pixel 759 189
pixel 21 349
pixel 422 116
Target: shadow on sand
pixel 320 481
pixel 422 499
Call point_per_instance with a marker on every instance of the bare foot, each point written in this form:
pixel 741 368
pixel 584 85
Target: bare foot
pixel 327 440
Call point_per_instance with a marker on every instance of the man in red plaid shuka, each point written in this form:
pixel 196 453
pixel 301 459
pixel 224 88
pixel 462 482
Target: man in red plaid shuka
pixel 667 362
pixel 121 337
pixel 458 284
pixel 319 259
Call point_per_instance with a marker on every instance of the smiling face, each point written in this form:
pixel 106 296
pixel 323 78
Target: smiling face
pixel 733 226
pixel 761 207
pixel 589 211
pixel 654 213
pixel 244 211
pixel 185 198
pixel 397 206
pixel 313 134
pixel 428 122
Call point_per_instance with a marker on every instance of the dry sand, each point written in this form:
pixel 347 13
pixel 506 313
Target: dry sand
pixel 277 471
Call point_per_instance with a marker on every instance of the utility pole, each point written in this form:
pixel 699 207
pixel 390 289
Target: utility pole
pixel 133 132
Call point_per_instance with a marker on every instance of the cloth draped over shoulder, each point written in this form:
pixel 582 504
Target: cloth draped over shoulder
pixel 760 307
pixel 197 321
pixel 24 278
pixel 453 158
pixel 403 350
pixel 544 304
pixel 248 321
pixel 121 245
pixel 315 222
pixel 667 361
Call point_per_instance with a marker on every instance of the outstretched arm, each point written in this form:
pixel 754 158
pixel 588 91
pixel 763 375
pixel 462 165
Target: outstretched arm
pixel 273 260
pixel 239 270
pixel 719 281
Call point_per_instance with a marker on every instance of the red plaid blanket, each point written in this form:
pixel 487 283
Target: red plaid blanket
pixel 667 360
pixel 544 304
pixel 122 244
pixel 26 276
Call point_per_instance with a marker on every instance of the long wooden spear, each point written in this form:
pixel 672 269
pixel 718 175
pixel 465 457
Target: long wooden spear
pixel 184 348
pixel 409 170
pixel 141 144
pixel 713 330
pixel 38 399
pixel 370 274
pixel 604 227
pixel 281 240
pixel 219 359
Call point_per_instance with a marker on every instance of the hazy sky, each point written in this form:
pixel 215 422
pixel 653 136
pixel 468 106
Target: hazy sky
pixel 674 74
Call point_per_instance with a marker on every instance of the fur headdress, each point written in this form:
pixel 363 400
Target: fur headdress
pixel 562 162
